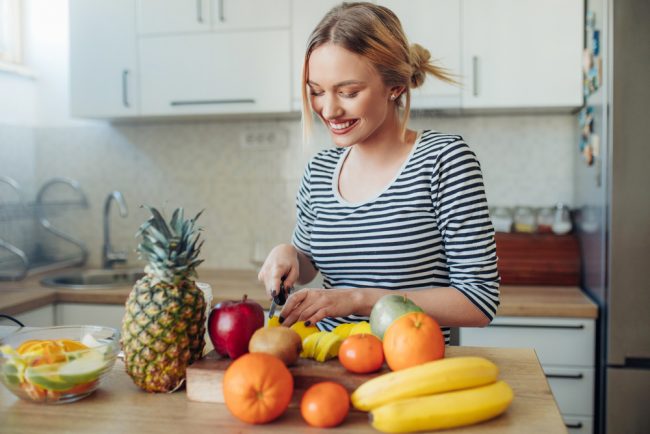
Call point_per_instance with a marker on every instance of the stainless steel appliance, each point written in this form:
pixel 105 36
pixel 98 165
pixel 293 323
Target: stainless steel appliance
pixel 613 197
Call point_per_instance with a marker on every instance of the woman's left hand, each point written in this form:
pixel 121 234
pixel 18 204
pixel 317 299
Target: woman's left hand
pixel 314 304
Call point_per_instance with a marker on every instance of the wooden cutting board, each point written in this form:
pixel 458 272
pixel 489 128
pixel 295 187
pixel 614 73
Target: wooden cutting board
pixel 204 378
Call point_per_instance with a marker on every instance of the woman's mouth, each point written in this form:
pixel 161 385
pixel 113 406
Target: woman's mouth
pixel 342 127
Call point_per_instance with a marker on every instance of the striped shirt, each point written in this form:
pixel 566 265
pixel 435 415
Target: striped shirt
pixel 429 228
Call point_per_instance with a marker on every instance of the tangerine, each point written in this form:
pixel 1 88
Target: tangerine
pixel 325 404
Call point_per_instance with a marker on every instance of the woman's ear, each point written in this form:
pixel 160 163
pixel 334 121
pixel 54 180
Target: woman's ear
pixel 396 92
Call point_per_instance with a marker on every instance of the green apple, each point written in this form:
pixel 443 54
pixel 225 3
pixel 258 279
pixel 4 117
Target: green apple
pixel 83 369
pixel 47 377
pixel 387 309
pixel 11 374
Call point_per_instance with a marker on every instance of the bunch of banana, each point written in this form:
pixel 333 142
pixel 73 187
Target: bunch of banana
pixel 441 394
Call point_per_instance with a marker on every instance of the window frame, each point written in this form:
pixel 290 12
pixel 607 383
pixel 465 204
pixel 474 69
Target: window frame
pixel 11 59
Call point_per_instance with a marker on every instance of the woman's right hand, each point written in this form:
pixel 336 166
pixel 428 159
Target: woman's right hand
pixel 282 262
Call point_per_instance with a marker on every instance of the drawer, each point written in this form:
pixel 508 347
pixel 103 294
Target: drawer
pixel 579 424
pixel 557 341
pixel 573 389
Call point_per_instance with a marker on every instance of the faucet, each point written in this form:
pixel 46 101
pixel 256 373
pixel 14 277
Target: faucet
pixel 45 223
pixel 109 257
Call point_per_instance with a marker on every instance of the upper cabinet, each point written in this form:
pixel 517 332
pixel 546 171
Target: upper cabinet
pixel 180 57
pixel 103 59
pixel 434 24
pixel 207 73
pixel 157 17
pixel 173 16
pixel 522 54
pixel 250 14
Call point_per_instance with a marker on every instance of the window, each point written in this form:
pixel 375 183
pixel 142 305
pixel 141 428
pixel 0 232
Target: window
pixel 10 32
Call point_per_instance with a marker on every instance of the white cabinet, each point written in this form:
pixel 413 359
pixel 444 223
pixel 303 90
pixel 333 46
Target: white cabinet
pixel 436 25
pixel 178 57
pixel 520 54
pixel 173 16
pixel 157 17
pixel 103 59
pixel 250 14
pixel 566 350
pixel 40 317
pixel 108 315
pixel 228 72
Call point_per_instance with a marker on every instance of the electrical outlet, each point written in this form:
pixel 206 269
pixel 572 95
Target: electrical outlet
pixel 260 138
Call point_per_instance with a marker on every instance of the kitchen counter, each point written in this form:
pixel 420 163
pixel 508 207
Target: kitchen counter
pixel 550 301
pixel 120 407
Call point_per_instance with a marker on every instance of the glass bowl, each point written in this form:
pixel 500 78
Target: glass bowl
pixel 56 365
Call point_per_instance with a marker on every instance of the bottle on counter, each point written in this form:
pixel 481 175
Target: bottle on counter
pixel 501 219
pixel 545 219
pixel 562 222
pixel 525 221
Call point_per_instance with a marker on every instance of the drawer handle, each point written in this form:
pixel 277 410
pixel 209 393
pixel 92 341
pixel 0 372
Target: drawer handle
pixel 222 15
pixel 213 101
pixel 569 376
pixel 475 75
pixel 576 425
pixel 125 88
pixel 199 11
pixel 541 326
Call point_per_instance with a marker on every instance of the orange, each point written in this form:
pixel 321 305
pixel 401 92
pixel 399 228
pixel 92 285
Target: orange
pixel 361 353
pixel 257 388
pixel 413 339
pixel 325 404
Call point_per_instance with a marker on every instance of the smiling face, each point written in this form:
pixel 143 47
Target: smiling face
pixel 349 96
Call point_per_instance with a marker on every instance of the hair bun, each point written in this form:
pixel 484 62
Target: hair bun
pixel 420 58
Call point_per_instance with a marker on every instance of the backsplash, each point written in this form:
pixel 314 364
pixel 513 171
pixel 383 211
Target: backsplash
pixel 248 192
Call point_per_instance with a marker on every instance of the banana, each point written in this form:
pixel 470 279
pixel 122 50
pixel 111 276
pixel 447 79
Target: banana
pixel 443 410
pixel 327 347
pixel 361 327
pixel 442 375
pixel 310 344
pixel 343 330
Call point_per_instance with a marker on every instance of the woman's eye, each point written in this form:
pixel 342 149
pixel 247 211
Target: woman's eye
pixel 349 94
pixel 315 93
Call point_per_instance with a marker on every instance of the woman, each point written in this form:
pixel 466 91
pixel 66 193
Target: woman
pixel 388 210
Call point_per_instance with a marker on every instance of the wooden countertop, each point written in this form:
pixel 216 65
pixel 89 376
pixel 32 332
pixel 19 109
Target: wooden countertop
pixel 551 301
pixel 120 407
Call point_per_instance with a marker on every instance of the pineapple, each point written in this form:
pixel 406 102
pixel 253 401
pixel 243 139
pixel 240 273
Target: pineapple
pixel 164 324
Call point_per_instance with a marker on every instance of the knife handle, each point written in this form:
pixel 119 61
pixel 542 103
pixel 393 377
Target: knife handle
pixel 281 297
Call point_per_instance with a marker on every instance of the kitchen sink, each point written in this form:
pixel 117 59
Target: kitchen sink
pixel 93 279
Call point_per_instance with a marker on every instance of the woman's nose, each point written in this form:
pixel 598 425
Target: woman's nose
pixel 331 108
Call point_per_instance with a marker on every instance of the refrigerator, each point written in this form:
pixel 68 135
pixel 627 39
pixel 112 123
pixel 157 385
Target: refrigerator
pixel 612 198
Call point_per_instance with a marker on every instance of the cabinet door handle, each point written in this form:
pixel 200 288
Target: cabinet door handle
pixel 222 16
pixel 199 11
pixel 475 75
pixel 213 101
pixel 576 425
pixel 541 326
pixel 125 88
pixel 569 376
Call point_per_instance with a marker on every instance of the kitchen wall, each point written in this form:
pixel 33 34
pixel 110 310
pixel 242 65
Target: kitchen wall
pixel 247 193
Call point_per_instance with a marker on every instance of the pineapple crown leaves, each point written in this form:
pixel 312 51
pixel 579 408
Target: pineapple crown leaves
pixel 172 249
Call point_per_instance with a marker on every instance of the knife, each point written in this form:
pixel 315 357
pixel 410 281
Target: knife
pixel 279 299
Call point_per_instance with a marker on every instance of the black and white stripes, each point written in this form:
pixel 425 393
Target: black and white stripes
pixel 429 228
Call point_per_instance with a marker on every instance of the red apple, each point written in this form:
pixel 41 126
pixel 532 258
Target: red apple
pixel 231 325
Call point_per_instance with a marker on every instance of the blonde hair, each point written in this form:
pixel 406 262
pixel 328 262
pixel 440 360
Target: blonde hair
pixel 375 33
